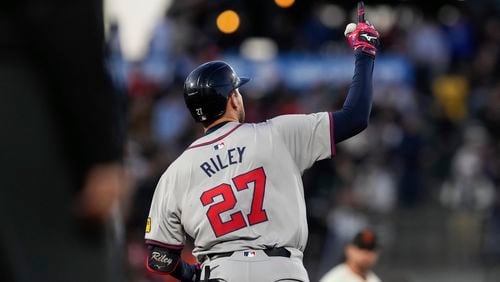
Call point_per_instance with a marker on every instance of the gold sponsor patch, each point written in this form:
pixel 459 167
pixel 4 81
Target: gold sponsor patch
pixel 148 225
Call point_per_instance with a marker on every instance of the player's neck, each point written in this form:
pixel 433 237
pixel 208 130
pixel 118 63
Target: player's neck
pixel 219 121
pixel 357 270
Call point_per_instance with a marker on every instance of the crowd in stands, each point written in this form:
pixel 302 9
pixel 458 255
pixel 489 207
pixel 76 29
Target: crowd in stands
pixel 432 143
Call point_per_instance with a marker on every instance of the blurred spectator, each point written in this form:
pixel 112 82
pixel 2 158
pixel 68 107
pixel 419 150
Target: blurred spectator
pixel 408 155
pixel 170 118
pixel 428 49
pixel 427 46
pixel 157 64
pixel 469 187
pixel 375 187
pixel 469 192
pixel 451 93
pixel 342 224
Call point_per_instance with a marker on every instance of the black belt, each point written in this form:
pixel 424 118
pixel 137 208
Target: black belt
pixel 270 252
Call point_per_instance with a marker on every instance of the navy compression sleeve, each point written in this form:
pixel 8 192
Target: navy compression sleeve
pixel 354 115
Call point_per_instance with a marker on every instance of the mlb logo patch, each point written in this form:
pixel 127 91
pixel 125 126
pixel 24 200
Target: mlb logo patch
pixel 249 254
pixel 219 146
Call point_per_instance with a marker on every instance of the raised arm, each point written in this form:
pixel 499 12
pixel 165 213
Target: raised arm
pixel 354 115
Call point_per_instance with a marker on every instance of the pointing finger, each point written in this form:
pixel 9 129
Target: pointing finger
pixel 361 12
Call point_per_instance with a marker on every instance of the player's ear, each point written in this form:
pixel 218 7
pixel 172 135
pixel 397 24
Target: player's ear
pixel 233 100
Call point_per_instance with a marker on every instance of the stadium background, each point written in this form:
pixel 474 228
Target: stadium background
pixel 426 172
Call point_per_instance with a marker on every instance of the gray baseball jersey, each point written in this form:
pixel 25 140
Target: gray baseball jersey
pixel 240 186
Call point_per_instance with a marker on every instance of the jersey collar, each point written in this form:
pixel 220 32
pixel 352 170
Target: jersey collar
pixel 218 134
pixel 214 128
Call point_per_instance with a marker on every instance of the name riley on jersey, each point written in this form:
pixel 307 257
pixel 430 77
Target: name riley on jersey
pixel 216 163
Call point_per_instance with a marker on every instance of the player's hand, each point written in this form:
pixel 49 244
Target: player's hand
pixel 362 36
pixel 197 273
pixel 193 274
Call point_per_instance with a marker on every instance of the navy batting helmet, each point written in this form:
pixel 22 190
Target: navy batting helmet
pixel 207 89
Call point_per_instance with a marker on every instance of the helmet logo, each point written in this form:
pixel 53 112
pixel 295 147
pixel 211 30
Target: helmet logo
pixel 199 112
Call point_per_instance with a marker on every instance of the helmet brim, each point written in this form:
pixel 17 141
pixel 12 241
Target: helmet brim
pixel 243 80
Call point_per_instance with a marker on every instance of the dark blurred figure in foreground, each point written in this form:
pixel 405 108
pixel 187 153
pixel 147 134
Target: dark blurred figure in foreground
pixel 361 255
pixel 61 148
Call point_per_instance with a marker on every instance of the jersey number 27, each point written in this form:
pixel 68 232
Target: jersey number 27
pixel 257 213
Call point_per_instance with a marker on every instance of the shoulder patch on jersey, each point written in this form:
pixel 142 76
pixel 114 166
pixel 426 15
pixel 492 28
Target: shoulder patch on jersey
pixel 148 225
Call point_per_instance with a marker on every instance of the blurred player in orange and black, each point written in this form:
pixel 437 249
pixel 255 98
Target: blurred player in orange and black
pixel 361 256
pixel 60 146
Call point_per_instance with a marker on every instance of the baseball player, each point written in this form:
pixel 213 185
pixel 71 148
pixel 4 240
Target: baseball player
pixel 361 255
pixel 237 190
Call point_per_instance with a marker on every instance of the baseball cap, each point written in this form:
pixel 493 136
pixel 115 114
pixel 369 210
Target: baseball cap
pixel 366 240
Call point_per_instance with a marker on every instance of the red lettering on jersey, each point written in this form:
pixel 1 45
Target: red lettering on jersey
pixel 258 177
pixel 257 213
pixel 229 201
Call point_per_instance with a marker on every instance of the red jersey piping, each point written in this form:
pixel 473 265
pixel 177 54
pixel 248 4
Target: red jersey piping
pixel 216 139
pixel 332 137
